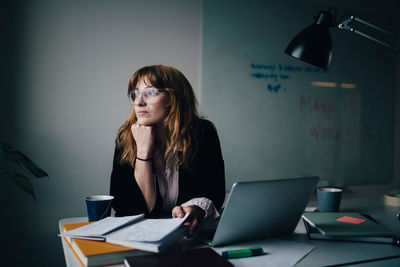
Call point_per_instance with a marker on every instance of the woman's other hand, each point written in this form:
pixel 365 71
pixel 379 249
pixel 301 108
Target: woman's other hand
pixel 144 138
pixel 194 219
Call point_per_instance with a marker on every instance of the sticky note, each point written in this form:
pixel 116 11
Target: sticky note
pixel 353 220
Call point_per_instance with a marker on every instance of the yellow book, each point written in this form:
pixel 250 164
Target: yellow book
pixel 94 253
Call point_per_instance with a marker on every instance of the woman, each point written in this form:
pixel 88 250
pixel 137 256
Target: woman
pixel 167 159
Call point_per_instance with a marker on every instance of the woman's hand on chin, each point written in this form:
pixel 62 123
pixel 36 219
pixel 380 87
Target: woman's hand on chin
pixel 144 138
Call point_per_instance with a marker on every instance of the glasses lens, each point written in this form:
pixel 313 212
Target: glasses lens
pixel 131 96
pixel 148 95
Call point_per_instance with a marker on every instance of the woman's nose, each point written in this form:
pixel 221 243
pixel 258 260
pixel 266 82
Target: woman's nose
pixel 140 100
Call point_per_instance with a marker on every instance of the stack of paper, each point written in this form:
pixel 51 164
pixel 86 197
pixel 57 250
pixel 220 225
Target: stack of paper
pixel 154 235
pixel 94 253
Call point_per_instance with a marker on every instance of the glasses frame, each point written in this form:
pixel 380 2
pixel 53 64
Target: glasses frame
pixel 144 93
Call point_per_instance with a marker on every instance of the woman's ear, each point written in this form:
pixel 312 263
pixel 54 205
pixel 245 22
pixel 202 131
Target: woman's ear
pixel 168 101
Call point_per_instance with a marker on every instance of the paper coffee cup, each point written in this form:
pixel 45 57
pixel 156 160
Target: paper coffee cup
pixel 329 199
pixel 98 207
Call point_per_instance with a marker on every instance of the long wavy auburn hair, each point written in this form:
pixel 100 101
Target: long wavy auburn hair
pixel 182 117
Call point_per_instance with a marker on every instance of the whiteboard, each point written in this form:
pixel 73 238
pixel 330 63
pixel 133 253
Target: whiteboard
pixel 278 117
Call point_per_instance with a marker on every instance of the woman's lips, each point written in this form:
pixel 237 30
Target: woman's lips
pixel 142 112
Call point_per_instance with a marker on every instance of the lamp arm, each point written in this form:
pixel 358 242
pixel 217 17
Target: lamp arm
pixel 345 25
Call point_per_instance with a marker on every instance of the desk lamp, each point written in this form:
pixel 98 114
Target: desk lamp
pixel 314 44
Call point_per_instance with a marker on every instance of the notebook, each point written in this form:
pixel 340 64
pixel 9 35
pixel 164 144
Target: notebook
pixel 194 258
pixel 260 209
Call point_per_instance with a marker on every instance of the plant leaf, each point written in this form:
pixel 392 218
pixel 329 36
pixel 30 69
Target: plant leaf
pixel 24 183
pixel 7 153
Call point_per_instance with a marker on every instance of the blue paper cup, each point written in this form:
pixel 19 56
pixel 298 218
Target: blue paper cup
pixel 98 207
pixel 329 199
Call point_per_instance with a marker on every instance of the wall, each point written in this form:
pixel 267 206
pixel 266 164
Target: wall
pixel 396 122
pixel 274 116
pixel 66 70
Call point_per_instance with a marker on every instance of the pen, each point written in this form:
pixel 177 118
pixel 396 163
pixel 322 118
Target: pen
pixel 241 253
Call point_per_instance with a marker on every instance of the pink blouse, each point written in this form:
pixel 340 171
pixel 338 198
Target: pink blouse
pixel 168 183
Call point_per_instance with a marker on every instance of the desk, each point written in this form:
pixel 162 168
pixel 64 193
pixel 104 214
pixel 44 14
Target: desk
pixel 327 253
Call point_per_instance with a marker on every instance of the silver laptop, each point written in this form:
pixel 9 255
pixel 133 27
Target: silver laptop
pixel 259 209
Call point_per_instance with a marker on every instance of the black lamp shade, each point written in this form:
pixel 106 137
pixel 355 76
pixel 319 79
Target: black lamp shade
pixel 314 44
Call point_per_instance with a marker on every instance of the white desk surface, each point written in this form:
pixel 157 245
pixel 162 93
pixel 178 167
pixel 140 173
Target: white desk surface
pixel 326 253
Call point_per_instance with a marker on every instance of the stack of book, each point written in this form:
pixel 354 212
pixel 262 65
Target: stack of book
pixel 112 239
pixel 94 253
pixel 346 226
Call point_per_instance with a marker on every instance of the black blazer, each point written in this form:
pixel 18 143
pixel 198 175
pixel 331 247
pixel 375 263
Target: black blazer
pixel 204 178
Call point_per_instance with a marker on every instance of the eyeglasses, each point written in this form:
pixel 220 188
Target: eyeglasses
pixel 148 94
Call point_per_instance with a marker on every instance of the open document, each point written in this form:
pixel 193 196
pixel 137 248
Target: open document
pixel 153 235
pixel 98 230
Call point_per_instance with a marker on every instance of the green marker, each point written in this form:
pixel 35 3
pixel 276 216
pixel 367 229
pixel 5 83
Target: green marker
pixel 242 253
